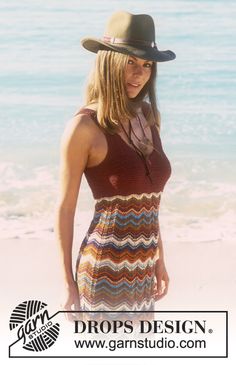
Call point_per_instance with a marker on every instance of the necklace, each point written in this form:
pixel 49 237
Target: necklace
pixel 145 142
pixel 138 150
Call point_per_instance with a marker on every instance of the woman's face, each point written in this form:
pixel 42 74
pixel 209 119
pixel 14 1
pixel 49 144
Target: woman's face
pixel 137 74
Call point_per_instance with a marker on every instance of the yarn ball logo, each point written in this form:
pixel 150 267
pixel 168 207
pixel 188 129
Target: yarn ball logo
pixel 34 326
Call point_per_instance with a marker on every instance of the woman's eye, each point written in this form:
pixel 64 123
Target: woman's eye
pixel 147 64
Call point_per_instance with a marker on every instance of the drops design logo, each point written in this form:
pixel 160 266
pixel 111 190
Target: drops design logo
pixel 34 326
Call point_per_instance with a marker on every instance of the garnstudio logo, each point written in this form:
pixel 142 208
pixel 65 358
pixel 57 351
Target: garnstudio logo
pixel 34 326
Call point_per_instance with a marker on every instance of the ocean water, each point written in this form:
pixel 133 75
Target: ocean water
pixel 43 72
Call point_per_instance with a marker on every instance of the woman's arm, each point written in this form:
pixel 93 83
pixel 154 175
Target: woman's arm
pixel 75 148
pixel 160 272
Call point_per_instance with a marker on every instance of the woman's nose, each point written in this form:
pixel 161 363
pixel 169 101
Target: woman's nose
pixel 138 70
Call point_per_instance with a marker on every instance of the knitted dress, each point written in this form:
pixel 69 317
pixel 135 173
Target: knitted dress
pixel 116 260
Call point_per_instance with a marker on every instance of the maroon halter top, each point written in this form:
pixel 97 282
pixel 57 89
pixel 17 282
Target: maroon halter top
pixel 122 171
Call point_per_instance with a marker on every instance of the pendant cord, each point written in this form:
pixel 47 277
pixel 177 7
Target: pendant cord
pixel 138 151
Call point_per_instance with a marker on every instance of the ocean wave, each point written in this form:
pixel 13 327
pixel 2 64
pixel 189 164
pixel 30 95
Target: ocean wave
pixel 195 209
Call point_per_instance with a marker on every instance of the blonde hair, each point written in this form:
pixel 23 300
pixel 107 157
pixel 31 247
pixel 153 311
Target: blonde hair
pixel 106 87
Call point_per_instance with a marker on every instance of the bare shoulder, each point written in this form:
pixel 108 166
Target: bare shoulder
pixel 79 132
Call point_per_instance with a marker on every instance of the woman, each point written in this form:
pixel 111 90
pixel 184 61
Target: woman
pixel 114 140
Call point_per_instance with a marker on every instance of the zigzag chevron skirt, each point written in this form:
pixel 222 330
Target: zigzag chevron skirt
pixel 115 265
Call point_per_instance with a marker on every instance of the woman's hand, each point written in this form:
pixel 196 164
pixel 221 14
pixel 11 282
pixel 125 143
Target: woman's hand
pixel 72 301
pixel 162 280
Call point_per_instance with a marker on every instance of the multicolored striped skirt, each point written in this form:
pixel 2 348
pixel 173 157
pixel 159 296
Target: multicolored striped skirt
pixel 115 268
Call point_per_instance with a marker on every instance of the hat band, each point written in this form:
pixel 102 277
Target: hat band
pixel 134 42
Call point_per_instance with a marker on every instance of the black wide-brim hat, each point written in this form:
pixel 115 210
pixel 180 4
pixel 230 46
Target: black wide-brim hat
pixel 132 34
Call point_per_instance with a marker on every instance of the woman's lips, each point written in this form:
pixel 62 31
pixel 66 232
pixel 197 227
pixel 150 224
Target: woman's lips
pixel 133 84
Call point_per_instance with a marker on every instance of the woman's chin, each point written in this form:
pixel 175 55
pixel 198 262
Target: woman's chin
pixel 133 95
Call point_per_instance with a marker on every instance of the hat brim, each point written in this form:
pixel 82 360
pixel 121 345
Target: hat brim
pixel 147 53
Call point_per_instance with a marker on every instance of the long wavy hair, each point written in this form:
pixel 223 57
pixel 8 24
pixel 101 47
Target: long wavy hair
pixel 106 87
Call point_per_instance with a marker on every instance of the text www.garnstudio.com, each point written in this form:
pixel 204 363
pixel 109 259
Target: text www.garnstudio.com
pixel 146 343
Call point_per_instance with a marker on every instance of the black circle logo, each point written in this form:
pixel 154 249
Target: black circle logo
pixel 34 326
